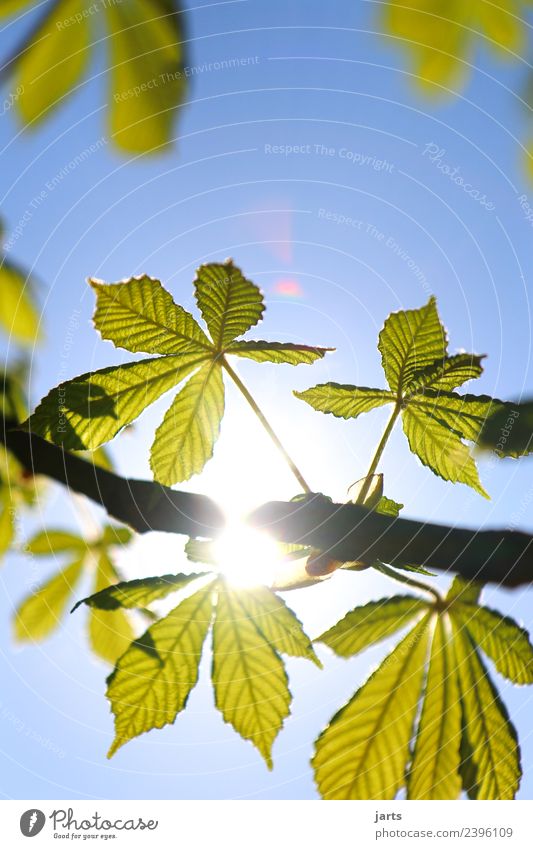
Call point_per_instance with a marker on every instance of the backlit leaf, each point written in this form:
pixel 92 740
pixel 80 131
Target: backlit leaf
pixel 277 352
pixel 363 752
pixel 251 688
pixel 508 430
pixel 345 401
pixel 152 680
pixel 89 410
pixel 434 772
pixel 371 623
pixel 137 593
pixel 492 740
pixel 230 304
pixel 505 642
pixel 411 340
pixel 463 590
pixel 141 316
pixel 440 449
pixel 448 373
pixel 185 439
pixel 50 541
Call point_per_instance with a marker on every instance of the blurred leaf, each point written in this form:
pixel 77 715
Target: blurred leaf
pixel 19 316
pixel 363 752
pixel 434 772
pixel 508 430
pixel 364 626
pixel 463 590
pixel 146 65
pixel 50 541
pixel 152 680
pixel 7 525
pixel 185 439
pixel 110 632
pixel 494 755
pixel 249 678
pixel 40 613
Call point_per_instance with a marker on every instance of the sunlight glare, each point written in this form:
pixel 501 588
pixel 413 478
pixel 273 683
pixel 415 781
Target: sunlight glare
pixel 246 557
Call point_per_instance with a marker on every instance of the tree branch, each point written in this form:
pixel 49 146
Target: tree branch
pixel 345 531
pixel 143 505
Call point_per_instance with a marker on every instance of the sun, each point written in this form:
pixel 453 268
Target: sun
pixel 246 557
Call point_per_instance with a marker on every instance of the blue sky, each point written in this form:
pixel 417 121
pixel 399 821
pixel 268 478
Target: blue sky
pixel 312 167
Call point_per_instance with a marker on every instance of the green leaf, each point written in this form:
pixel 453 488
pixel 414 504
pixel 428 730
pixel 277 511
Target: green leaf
pixel 137 593
pixel 141 316
pixel 185 439
pixel 90 410
pixel 388 507
pixel 364 626
pixel 463 590
pixel 40 613
pixel 344 401
pixel 465 415
pixel 505 642
pixel 201 551
pixel 8 7
pixel 440 449
pixel 278 624
pixel 249 678
pixel 363 752
pixel 277 352
pixel 411 341
pixel 7 525
pixel 434 772
pixel 148 80
pixel 115 535
pixel 508 430
pixel 447 374
pixel 230 304
pixel 110 633
pixel 492 740
pixel 152 680
pixel 52 541
pixel 53 65
pixel 18 316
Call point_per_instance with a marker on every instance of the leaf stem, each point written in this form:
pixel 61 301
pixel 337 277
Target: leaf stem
pixel 264 421
pixel 403 579
pixel 378 453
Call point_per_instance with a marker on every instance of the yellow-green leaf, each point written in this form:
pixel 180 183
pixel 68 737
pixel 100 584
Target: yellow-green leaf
pixel 505 642
pixel 18 316
pixel 40 613
pixel 110 632
pixel 410 341
pixel 434 772
pixel 51 541
pixel 137 593
pixel 251 688
pixel 463 590
pixel 447 374
pixel 52 66
pixel 7 525
pixel 141 316
pixel 185 439
pixel 492 740
pixel 344 401
pixel 366 625
pixel 230 304
pixel 364 751
pixel 440 449
pixel 464 414
pixel 152 680
pixel 89 410
pixel 277 352
pixel 147 72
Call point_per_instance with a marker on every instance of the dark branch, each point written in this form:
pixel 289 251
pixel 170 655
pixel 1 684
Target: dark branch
pixel 345 531
pixel 143 505
pixel 349 532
